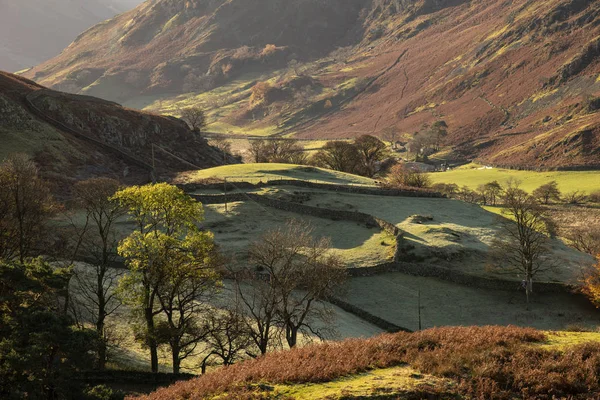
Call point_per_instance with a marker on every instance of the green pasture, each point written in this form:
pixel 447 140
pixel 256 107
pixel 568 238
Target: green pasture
pixel 473 175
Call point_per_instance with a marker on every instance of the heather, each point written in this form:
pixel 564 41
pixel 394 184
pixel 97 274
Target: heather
pixel 486 362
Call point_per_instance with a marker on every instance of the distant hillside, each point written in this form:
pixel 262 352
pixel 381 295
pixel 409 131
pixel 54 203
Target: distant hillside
pixel 75 137
pixel 32 31
pixel 517 82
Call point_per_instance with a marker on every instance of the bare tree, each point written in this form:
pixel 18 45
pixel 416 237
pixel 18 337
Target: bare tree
pixel 98 241
pixel 26 205
pixel 547 192
pixel 259 301
pixel 523 247
pixel 302 274
pixel 195 118
pixel 339 156
pixel 371 150
pixel 227 336
pixel 490 192
pixel 585 238
pixel 391 134
pixel 277 151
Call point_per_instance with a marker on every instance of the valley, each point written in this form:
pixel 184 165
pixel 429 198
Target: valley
pixel 309 199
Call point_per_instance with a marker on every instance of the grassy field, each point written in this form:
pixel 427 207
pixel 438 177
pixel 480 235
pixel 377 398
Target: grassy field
pixel 244 222
pixel 395 297
pixel 459 234
pixel 264 172
pixel 473 175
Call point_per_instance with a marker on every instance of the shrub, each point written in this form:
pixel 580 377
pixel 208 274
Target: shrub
pixel 269 50
pixel 486 362
pixel 402 176
pixel 575 197
pixel 594 197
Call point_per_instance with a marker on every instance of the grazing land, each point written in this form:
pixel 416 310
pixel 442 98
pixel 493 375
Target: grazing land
pixel 244 222
pixel 395 297
pixel 263 172
pixel 473 175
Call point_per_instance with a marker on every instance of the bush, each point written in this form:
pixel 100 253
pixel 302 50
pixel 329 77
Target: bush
pixel 594 197
pixel 575 197
pixel 402 176
pixel 269 50
pixel 102 392
pixel 486 362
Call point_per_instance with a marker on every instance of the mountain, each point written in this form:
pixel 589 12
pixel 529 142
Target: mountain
pixel 516 81
pixel 32 31
pixel 75 137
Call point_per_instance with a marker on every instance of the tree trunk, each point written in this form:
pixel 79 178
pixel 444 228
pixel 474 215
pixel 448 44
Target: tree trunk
pixel 151 339
pixel 528 289
pixel 176 360
pixel 291 335
pixel 102 344
pixel 263 346
pixel 100 322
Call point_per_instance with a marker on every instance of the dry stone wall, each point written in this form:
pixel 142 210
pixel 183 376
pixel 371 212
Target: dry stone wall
pixel 229 186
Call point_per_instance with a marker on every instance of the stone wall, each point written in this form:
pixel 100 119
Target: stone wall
pixel 461 278
pixel 230 186
pixel 336 215
pixel 367 316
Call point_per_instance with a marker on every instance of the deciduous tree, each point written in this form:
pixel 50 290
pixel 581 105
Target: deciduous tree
pixel 164 216
pixel 547 192
pixel 299 273
pixel 95 286
pixel 195 118
pixel 522 246
pixel 26 205
pixel 371 151
pixel 339 156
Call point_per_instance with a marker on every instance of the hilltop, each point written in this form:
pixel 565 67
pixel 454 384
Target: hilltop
pixel 32 31
pixel 75 137
pixel 515 81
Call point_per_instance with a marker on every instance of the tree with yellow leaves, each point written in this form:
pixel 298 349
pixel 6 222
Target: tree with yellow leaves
pixel 172 267
pixel 591 284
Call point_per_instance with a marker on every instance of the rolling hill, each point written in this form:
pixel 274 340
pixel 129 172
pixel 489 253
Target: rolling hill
pixel 515 81
pixel 75 137
pixel 32 31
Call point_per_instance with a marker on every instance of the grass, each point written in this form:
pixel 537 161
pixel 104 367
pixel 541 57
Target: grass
pixel 264 172
pixel 459 235
pixel 395 297
pixel 557 340
pixel 395 381
pixel 473 175
pixel 245 222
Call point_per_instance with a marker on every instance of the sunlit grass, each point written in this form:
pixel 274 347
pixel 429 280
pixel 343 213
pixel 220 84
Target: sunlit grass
pixel 474 175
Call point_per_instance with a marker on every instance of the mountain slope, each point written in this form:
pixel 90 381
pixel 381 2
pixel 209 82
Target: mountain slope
pixel 32 31
pixel 515 81
pixel 74 137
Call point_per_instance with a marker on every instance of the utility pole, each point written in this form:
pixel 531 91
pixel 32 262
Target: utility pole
pixel 153 166
pixel 225 193
pixel 419 305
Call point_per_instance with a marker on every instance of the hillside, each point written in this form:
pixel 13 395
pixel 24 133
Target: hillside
pixel 515 81
pixel 75 137
pixel 32 31
pixel 443 363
